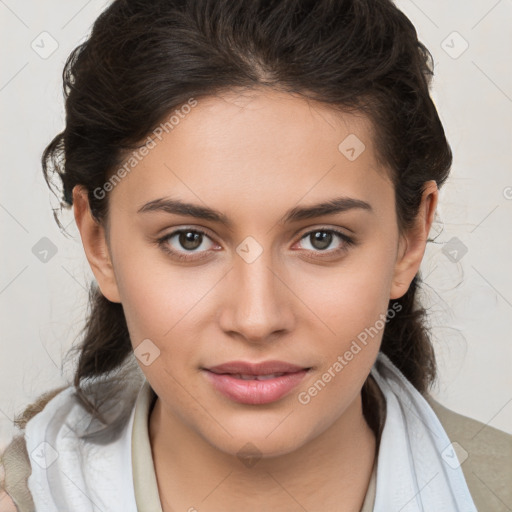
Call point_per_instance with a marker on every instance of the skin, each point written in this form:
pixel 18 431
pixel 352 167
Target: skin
pixel 253 156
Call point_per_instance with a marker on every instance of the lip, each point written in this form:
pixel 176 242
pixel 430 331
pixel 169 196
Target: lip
pixel 263 368
pixel 225 378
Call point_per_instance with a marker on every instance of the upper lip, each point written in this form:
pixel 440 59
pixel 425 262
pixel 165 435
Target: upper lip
pixel 263 368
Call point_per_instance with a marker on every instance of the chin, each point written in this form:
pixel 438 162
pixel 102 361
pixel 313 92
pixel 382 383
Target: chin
pixel 252 442
pixel 249 450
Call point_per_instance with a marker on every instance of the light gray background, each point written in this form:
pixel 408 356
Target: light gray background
pixel 42 305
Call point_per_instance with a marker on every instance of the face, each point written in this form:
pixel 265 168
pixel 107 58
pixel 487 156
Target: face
pixel 265 276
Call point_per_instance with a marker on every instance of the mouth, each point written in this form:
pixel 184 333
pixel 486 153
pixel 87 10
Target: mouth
pixel 254 377
pixel 255 383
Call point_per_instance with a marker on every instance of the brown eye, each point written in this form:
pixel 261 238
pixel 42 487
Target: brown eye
pixel 321 239
pixel 186 244
pixel 323 242
pixel 190 240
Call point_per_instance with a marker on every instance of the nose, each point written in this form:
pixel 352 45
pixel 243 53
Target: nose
pixel 260 304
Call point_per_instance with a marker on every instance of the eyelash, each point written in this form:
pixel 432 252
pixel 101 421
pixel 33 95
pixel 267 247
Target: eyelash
pixel 162 243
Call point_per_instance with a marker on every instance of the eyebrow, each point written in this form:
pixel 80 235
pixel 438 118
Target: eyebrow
pixel 178 207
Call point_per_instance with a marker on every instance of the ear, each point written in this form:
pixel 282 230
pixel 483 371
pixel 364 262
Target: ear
pixel 412 244
pixel 95 244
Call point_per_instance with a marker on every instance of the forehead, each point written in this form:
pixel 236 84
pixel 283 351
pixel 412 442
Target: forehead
pixel 260 147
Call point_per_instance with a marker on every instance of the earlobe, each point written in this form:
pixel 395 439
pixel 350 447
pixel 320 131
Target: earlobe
pixel 413 243
pixel 95 244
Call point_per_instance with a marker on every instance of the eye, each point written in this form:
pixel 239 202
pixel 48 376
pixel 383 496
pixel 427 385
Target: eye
pixel 184 244
pixel 321 239
pixel 192 244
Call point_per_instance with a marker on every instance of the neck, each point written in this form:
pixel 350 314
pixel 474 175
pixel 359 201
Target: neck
pixel 331 472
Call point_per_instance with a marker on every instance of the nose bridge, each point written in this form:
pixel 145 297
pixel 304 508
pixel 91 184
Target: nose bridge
pixel 259 305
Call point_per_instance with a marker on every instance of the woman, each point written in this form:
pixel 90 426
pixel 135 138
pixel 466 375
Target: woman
pixel 254 184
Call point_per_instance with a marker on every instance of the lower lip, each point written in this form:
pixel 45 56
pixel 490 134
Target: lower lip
pixel 255 392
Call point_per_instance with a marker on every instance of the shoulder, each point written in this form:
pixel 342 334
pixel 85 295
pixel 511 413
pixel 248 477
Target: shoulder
pixel 484 454
pixel 110 400
pixel 15 467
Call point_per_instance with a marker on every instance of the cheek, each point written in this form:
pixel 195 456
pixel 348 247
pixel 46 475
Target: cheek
pixel 351 303
pixel 164 313
pixel 166 305
pixel 351 308
pixel 155 295
pixel 348 298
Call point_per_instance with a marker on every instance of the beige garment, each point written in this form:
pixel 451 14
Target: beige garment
pixel 144 477
pixel 16 468
pixel 486 455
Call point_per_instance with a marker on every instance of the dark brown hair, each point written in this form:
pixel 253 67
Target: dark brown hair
pixel 145 59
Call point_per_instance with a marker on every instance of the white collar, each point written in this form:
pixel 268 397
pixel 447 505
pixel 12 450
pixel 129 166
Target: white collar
pixel 412 473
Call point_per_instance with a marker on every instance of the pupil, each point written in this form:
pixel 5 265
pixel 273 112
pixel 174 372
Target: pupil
pixel 322 239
